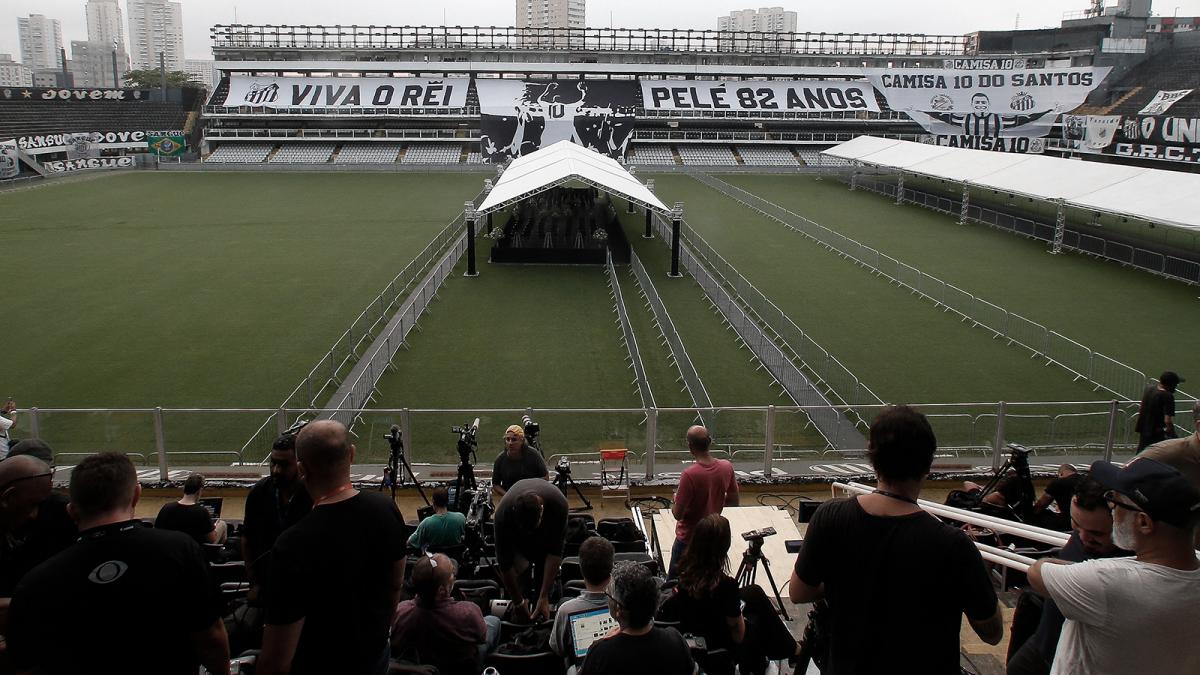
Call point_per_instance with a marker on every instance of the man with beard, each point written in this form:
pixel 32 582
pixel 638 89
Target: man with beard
pixel 274 504
pixel 1091 538
pixel 1132 615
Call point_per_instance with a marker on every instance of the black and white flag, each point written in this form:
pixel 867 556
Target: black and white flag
pixel 519 117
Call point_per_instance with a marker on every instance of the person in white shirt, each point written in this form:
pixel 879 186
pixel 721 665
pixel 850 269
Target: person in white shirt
pixel 8 420
pixel 1132 615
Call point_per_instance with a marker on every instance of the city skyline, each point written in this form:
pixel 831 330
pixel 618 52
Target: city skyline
pixel 864 16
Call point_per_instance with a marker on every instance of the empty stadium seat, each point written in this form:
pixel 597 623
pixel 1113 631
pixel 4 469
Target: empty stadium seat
pixel 652 155
pixel 767 155
pixel 303 153
pixel 475 158
pixel 240 153
pixel 368 153
pixel 707 155
pixel 815 158
pixel 432 153
pixel 30 117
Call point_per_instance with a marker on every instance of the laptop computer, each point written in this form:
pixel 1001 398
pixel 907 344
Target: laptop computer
pixel 212 505
pixel 587 627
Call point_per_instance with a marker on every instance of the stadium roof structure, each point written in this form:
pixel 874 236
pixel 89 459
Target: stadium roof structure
pixel 564 163
pixel 1169 198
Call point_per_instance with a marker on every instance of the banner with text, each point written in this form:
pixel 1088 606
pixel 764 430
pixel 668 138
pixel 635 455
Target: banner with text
pixel 81 144
pixel 1007 103
pixel 1033 146
pixel 10 163
pixel 732 95
pixel 39 94
pixel 519 117
pixel 1100 130
pixel 1173 139
pixel 89 164
pixel 346 92
pixel 1163 100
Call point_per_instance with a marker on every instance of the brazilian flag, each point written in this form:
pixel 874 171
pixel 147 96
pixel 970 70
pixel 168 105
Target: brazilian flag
pixel 167 146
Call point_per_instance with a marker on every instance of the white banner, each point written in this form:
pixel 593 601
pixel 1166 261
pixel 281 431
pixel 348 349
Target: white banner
pixel 1163 100
pixel 346 92
pixel 1100 131
pixel 10 164
pixel 1008 103
pixel 77 143
pixel 89 163
pixel 788 96
pixel 1033 146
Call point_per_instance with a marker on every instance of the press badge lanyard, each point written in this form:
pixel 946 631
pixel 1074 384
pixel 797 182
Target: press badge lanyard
pixel 333 494
pixel 893 495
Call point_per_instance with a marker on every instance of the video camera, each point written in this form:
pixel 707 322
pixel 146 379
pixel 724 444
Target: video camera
pixel 481 508
pixel 467 441
pixel 758 535
pixel 532 429
pixel 563 467
pixel 393 437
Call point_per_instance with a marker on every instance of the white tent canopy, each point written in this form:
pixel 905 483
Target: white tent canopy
pixel 1167 197
pixel 561 164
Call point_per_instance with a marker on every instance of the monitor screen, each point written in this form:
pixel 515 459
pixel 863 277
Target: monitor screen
pixel 213 506
pixel 589 626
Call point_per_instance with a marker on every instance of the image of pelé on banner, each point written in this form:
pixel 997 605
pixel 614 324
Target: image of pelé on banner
pixel 519 117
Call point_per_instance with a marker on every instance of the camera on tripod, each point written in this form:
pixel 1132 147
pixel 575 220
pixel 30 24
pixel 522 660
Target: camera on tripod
pixel 532 429
pixel 758 535
pixel 563 467
pixel 481 508
pixel 467 441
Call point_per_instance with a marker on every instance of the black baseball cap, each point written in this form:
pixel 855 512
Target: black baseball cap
pixel 1170 379
pixel 1160 490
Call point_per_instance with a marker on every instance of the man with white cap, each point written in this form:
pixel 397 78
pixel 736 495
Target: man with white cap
pixel 517 462
pixel 1139 614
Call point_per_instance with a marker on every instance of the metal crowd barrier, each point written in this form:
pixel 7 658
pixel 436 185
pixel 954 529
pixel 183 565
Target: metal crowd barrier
pixel 635 355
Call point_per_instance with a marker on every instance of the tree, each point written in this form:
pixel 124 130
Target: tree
pixel 149 78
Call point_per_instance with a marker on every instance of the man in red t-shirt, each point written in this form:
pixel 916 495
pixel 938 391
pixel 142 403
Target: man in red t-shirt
pixel 704 487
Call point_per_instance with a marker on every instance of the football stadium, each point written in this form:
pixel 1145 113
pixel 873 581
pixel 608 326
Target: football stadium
pixel 635 253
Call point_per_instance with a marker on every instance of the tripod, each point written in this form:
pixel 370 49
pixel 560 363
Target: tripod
pixel 398 464
pixel 1018 461
pixel 563 480
pixel 466 477
pixel 749 569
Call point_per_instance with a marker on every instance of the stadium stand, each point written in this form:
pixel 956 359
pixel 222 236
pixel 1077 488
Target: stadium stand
pixel 705 155
pixel 767 156
pixel 241 153
pixel 30 117
pixel 475 158
pixel 432 153
pixel 815 158
pixel 652 155
pixel 307 153
pixel 368 153
pixel 1173 69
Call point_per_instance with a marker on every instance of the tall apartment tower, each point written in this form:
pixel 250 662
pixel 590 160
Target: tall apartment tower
pixel 551 13
pixel 41 42
pixel 155 26
pixel 765 20
pixel 92 60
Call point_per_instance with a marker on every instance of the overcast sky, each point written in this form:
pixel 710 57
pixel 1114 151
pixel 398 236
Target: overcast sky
pixel 847 16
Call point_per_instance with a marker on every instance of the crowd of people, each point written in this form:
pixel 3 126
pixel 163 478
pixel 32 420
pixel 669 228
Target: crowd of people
pixel 84 582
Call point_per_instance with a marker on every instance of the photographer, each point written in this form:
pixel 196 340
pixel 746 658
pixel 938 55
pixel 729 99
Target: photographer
pixel 517 462
pixel 881 551
pixel 531 527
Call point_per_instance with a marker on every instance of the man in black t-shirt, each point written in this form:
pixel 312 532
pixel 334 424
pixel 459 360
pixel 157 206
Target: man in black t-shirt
pixel 639 646
pixel 1156 414
pixel 336 575
pixel 97 606
pixel 274 504
pixel 1059 492
pixel 34 524
pixel 896 579
pixel 517 462
pixel 190 517
pixel 531 527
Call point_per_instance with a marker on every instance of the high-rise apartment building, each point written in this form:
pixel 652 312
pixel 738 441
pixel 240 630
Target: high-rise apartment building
pixel 92 60
pixel 13 74
pixel 765 20
pixel 551 13
pixel 41 42
pixel 203 71
pixel 155 26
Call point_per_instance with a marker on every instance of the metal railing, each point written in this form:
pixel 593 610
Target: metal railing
pixel 363 380
pixel 340 358
pixel 670 337
pixel 342 134
pixel 835 115
pixel 971 436
pixel 837 380
pixel 237 36
pixel 841 433
pixel 635 355
pixel 1170 267
pixel 774 136
pixel 1102 371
